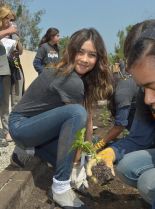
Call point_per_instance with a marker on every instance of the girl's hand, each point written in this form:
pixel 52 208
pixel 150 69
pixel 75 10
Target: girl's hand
pixel 12 29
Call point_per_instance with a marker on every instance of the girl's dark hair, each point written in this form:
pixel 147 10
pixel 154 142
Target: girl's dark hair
pixel 134 35
pixel 132 51
pixel 98 84
pixel 47 37
pixel 144 45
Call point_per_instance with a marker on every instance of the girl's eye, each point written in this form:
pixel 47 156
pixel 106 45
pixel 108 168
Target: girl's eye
pixel 81 52
pixel 92 55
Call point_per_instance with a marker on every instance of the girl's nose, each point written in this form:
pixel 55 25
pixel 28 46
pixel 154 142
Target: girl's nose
pixel 149 96
pixel 85 58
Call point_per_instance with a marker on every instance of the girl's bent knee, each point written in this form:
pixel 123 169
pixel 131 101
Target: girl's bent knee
pixel 78 111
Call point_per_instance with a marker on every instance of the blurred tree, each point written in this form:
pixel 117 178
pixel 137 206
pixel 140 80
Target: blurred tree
pixel 118 52
pixel 63 43
pixel 121 38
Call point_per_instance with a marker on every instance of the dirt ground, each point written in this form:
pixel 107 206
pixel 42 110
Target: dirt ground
pixel 114 195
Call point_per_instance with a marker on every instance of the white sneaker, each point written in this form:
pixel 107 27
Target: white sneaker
pixel 68 199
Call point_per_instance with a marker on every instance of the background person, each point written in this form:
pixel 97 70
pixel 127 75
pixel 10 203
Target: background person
pixel 48 51
pixel 5 79
pixel 17 74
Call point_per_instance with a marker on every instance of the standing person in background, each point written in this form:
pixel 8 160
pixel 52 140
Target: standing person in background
pixel 48 51
pixel 5 80
pixel 17 74
pixel 57 104
pixel 122 66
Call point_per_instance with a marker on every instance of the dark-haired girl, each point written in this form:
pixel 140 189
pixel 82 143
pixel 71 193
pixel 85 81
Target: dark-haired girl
pixel 58 104
pixel 48 51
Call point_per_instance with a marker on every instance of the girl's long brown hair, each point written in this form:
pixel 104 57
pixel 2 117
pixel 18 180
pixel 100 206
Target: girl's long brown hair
pixel 98 82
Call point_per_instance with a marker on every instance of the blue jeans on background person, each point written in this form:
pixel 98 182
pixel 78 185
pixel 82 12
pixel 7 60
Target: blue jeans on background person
pixel 137 169
pixel 59 124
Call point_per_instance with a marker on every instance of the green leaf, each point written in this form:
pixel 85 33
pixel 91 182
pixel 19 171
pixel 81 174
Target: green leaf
pixel 84 146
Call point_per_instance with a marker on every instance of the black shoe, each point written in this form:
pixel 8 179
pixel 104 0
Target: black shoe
pixel 20 157
pixel 3 142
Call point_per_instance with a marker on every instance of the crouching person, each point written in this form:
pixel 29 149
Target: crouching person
pixel 135 154
pixel 51 110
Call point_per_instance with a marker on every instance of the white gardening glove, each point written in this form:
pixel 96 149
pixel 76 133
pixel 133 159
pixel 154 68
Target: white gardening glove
pixel 78 176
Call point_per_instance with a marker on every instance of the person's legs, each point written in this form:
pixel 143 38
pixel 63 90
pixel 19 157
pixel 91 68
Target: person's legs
pixel 134 164
pixel 35 131
pixel 3 142
pixel 63 122
pixel 4 103
pixel 48 152
pixel 42 128
pixel 138 169
pixel 146 185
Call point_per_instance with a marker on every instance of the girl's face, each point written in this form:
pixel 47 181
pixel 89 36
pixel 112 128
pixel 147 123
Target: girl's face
pixel 86 58
pixel 144 74
pixel 6 22
pixel 55 39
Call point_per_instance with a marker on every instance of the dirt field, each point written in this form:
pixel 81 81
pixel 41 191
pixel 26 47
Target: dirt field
pixel 114 195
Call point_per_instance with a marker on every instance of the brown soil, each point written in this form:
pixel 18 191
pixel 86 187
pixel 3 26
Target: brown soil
pixel 102 173
pixel 114 195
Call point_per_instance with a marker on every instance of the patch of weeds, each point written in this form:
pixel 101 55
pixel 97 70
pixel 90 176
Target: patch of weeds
pixel 106 117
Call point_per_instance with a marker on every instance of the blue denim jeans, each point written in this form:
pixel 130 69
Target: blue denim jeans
pixel 137 169
pixel 55 128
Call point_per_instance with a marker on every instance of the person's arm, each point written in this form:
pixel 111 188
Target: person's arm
pixel 113 133
pixel 38 60
pixel 19 47
pixel 89 126
pixel 121 121
pixel 37 64
pixel 142 132
pixel 8 31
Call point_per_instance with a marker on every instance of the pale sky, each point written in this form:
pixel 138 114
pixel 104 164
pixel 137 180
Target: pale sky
pixel 107 16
